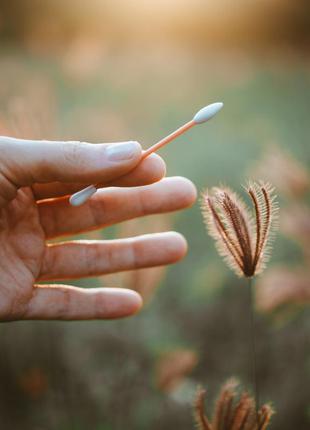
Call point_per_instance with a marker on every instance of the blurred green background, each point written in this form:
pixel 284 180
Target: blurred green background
pixel 105 71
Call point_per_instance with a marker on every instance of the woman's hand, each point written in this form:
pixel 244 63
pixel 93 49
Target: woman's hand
pixel 36 178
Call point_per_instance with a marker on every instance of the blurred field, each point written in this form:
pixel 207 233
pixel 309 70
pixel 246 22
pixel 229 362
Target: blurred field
pixel 104 375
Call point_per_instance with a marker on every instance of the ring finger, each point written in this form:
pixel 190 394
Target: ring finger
pixel 80 259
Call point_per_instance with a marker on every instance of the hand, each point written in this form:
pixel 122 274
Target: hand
pixel 35 180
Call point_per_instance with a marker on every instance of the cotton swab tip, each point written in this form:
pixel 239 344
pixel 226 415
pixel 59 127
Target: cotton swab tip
pixel 80 197
pixel 207 112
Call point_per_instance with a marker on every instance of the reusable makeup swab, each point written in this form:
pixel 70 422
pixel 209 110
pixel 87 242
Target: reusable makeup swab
pixel 200 117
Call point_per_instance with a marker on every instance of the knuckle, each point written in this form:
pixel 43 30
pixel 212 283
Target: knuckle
pixel 64 303
pixel 141 204
pixel 49 262
pixel 74 153
pixel 135 252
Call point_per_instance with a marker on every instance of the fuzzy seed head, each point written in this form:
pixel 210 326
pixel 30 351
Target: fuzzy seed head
pixel 232 411
pixel 242 237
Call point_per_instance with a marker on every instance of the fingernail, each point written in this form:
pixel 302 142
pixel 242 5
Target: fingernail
pixel 122 151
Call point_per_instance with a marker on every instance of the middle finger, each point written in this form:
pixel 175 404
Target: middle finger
pixel 112 205
pixel 150 170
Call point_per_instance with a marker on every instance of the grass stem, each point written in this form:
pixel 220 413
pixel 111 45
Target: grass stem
pixel 253 344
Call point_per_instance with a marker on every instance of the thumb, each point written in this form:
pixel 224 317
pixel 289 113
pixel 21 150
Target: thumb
pixel 24 162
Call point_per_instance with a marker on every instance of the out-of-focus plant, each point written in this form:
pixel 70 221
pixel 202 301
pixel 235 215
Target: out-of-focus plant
pixel 232 411
pixel 32 113
pixel 34 382
pixel 283 288
pixel 173 366
pixel 288 175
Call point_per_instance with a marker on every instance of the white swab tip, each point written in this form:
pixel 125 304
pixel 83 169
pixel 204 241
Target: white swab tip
pixel 207 112
pixel 80 197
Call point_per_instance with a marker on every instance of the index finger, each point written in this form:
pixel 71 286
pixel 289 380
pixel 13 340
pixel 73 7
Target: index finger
pixel 32 161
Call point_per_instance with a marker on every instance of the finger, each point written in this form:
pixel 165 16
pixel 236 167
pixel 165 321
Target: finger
pixel 24 162
pixel 79 259
pixel 62 302
pixel 150 170
pixel 113 205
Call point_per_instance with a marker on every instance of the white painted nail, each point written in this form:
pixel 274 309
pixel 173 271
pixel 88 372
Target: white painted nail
pixel 80 197
pixel 122 151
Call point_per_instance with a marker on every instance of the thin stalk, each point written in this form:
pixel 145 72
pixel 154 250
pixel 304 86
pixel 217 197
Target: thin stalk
pixel 253 344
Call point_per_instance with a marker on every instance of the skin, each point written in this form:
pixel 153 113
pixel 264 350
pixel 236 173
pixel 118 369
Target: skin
pixel 36 178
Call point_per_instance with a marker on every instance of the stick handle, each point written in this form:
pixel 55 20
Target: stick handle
pixel 80 197
pixel 168 139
